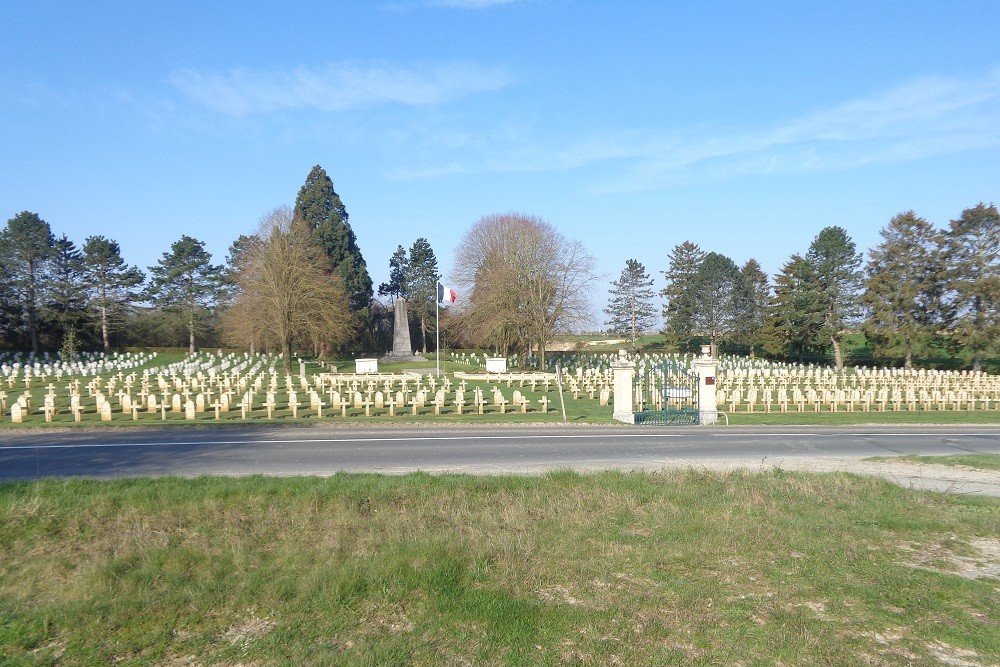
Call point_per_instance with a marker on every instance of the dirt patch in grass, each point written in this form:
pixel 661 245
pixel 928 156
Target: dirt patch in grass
pixel 953 655
pixel 248 630
pixel 974 559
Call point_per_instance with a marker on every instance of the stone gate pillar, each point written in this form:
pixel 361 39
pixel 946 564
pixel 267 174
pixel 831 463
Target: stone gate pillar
pixel 706 366
pixel 624 375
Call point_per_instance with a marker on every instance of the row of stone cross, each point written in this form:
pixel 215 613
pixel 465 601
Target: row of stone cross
pixel 192 396
pixel 880 399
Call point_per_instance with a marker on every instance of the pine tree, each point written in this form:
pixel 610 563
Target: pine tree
pixel 836 264
pixel 26 246
pixel 798 312
pixel 396 287
pixel 678 308
pixel 421 285
pixel 320 206
pixel 185 279
pixel 756 301
pixel 630 308
pixel 66 303
pixel 112 283
pixel 973 245
pixel 718 297
pixel 904 286
pixel 10 316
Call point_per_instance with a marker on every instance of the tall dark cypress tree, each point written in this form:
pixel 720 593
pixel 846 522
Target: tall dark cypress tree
pixel 319 205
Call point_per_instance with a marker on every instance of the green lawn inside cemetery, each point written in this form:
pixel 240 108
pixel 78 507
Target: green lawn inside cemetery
pixel 681 568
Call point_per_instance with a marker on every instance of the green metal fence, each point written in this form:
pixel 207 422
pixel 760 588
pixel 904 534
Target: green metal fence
pixel 672 392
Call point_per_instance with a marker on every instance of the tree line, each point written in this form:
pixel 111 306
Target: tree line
pixel 921 289
pixel 299 281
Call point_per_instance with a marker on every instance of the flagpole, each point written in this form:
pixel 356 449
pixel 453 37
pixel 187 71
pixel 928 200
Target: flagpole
pixel 437 327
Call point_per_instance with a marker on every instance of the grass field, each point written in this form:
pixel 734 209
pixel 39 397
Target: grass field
pixel 690 568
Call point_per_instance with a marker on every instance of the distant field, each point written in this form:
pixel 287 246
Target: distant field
pixel 689 568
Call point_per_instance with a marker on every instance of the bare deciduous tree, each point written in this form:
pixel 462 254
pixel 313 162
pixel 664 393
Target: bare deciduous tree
pixel 525 281
pixel 286 293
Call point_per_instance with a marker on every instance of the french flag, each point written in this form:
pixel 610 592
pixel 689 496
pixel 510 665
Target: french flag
pixel 446 294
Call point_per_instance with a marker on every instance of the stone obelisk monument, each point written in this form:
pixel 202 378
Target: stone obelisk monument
pixel 401 347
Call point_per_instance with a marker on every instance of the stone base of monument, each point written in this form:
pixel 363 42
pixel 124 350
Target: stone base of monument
pixel 402 356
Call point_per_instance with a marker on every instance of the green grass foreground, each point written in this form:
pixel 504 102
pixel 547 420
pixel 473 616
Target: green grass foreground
pixel 689 568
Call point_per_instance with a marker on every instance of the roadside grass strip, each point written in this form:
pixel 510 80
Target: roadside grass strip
pixel 975 461
pixel 685 568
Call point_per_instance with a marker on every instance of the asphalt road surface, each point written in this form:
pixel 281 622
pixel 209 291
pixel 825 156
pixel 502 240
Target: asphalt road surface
pixel 101 453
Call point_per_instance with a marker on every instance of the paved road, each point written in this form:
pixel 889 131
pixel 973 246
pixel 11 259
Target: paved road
pixel 99 453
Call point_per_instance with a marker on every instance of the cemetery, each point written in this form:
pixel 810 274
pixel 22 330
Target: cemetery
pixel 214 388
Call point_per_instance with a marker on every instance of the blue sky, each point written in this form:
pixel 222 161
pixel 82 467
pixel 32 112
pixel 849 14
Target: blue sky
pixel 745 127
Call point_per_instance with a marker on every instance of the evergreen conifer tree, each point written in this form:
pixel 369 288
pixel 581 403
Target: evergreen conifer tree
pixel 836 266
pixel 421 285
pixel 630 309
pixel 678 307
pixel 186 279
pixel 113 285
pixel 797 314
pixel 904 287
pixel 26 246
pixel 756 300
pixel 973 246
pixel 718 298
pixel 396 287
pixel 320 206
pixel 66 302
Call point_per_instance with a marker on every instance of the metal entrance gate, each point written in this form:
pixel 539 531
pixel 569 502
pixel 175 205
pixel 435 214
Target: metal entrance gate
pixel 667 394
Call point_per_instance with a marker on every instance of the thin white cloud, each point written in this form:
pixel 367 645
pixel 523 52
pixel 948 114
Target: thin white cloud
pixel 923 118
pixel 919 119
pixel 335 87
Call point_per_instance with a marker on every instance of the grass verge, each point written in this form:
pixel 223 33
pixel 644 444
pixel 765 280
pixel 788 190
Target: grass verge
pixel 691 568
pixel 978 461
pixel 957 417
